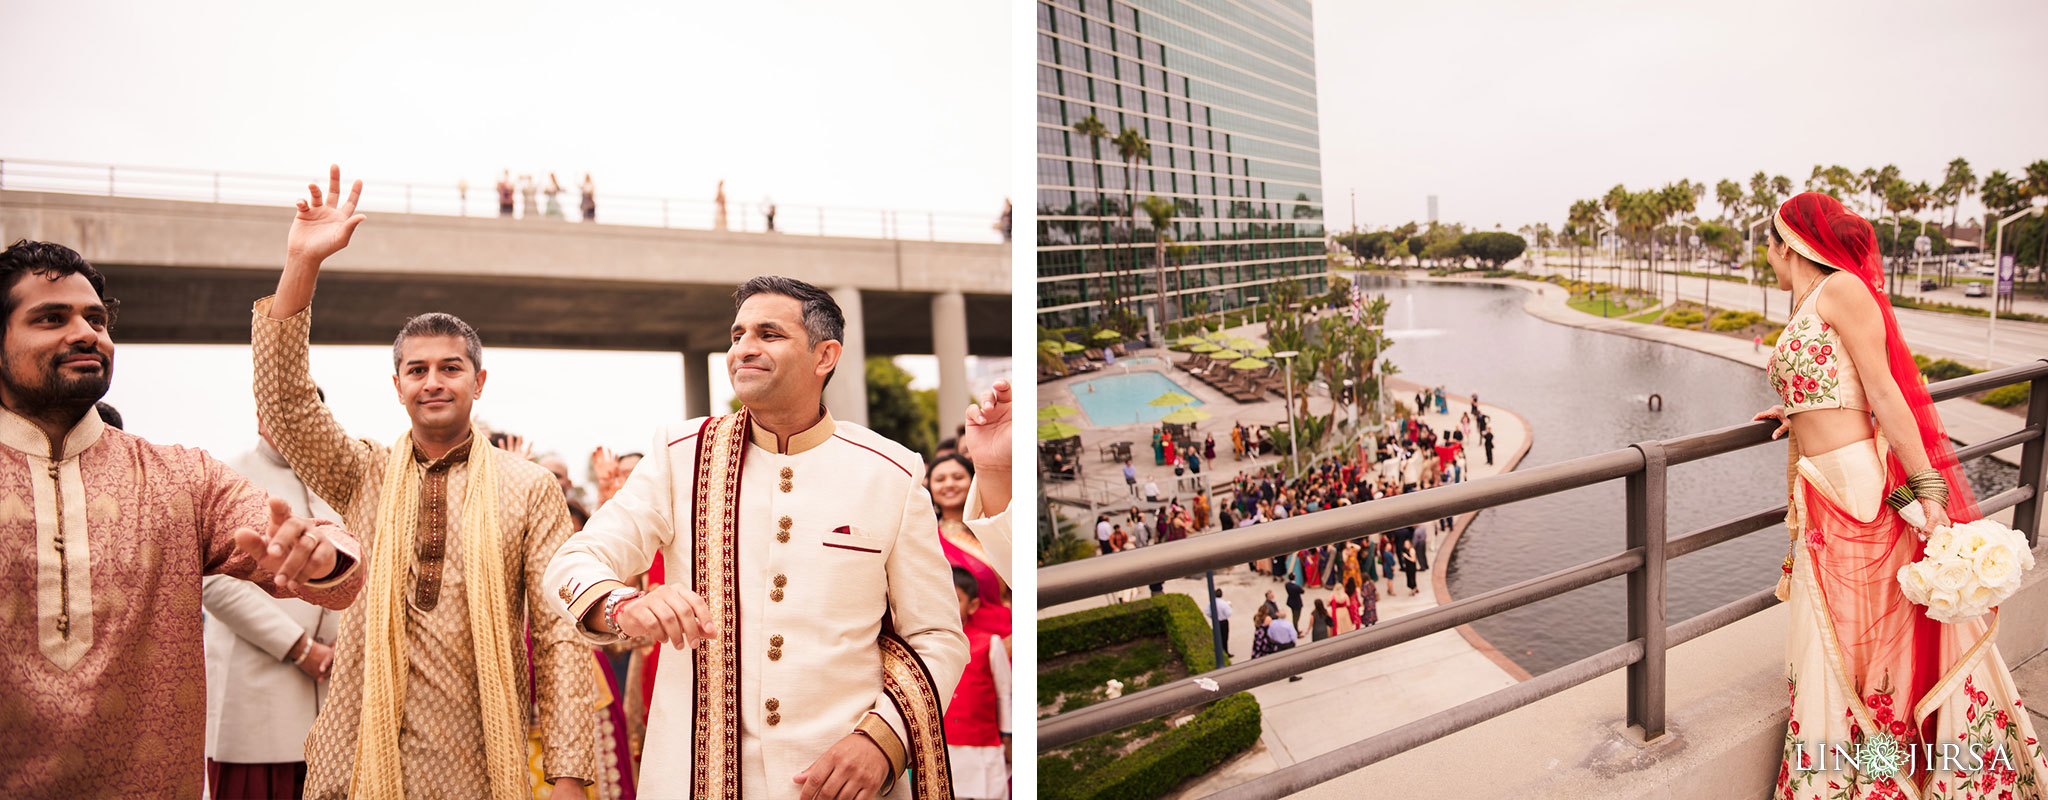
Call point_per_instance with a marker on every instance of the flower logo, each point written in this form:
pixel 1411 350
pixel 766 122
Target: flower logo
pixel 1881 757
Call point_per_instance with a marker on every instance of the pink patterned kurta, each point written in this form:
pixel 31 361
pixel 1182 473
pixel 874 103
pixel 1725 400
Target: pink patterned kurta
pixel 102 678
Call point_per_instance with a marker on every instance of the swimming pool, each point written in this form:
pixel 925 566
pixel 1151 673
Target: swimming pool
pixel 1125 399
pixel 1136 360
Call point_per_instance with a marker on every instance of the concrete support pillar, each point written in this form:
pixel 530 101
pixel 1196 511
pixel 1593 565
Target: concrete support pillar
pixel 847 395
pixel 696 383
pixel 949 344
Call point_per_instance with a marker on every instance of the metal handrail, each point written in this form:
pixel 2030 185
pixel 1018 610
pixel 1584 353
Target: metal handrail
pixel 445 199
pixel 1646 553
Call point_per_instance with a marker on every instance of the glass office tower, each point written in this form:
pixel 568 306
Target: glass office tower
pixel 1209 106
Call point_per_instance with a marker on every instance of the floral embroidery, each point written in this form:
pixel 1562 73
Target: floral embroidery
pixel 1799 369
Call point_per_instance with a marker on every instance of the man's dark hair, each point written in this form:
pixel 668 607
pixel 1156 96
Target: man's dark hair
pixel 965 582
pixel 109 414
pixel 438 324
pixel 49 261
pixel 823 321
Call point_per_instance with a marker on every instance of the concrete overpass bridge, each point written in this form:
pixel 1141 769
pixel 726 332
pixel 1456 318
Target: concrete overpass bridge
pixel 187 272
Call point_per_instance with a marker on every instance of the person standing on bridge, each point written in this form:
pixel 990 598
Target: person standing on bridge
pixel 109 538
pixel 1862 659
pixel 589 199
pixel 429 691
pixel 505 195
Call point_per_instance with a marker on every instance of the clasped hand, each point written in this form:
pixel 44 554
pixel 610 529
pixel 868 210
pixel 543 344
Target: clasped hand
pixel 293 549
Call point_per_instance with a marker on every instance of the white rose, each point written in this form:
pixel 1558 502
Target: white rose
pixel 1913 582
pixel 1996 563
pixel 1941 542
pixel 1942 604
pixel 1980 599
pixel 1951 574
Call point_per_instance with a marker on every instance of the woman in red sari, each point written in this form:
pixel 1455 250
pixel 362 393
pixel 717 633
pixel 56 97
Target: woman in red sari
pixel 1865 667
pixel 948 478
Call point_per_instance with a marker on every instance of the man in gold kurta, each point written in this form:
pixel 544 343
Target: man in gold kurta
pixel 104 538
pixel 421 676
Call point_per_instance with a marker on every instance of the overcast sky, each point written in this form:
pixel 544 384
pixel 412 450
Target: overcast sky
pixel 807 101
pixel 1509 110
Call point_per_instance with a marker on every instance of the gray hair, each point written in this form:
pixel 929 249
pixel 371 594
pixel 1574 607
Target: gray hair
pixel 823 321
pixel 438 324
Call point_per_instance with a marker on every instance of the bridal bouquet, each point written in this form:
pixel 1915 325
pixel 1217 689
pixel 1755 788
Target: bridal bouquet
pixel 1966 570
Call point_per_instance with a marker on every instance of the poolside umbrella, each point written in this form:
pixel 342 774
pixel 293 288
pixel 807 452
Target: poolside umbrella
pixel 1263 352
pixel 1183 416
pixel 1219 336
pixel 1071 347
pixel 1204 347
pixel 1241 343
pixel 1172 399
pixel 1190 341
pixel 1108 336
pixel 1248 363
pixel 1055 411
pixel 1057 430
pixel 1226 355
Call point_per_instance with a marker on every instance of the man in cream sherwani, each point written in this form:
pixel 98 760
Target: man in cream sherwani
pixel 266 657
pixel 811 635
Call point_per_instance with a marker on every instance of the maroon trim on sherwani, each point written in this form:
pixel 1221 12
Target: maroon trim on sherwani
pixel 909 684
pixel 715 725
pixel 892 462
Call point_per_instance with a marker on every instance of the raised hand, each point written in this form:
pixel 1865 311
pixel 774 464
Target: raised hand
pixel 987 439
pixel 294 549
pixel 605 468
pixel 325 221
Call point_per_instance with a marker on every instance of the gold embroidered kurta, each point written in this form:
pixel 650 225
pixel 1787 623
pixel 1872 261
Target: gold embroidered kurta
pixel 102 678
pixel 442 739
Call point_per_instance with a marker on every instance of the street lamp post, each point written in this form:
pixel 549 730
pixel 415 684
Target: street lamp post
pixel 1293 445
pixel 1749 252
pixel 1675 240
pixel 1998 263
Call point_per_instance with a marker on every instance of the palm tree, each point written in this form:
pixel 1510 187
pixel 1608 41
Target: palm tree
pixel 1729 194
pixel 1583 214
pixel 1161 213
pixel 1956 184
pixel 1876 181
pixel 1131 146
pixel 1093 128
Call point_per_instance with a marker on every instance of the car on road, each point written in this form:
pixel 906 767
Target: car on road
pixel 1928 285
pixel 1987 271
pixel 1975 290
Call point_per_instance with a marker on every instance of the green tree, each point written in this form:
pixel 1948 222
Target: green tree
pixel 1130 147
pixel 1161 214
pixel 1093 128
pixel 894 410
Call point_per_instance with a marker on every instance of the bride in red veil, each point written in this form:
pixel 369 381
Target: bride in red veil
pixel 1885 701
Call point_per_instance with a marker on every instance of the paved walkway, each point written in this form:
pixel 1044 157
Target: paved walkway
pixel 1349 701
pixel 1967 420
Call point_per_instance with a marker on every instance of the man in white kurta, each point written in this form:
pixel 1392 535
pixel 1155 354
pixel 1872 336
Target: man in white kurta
pixel 834 532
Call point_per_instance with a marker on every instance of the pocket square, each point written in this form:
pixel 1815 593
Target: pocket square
pixel 843 529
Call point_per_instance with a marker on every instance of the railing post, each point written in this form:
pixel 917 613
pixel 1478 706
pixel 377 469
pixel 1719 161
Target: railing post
pixel 216 187
pixel 110 181
pixel 3 173
pixel 931 226
pixel 664 212
pixel 2027 515
pixel 1645 491
pixel 821 220
pixel 408 198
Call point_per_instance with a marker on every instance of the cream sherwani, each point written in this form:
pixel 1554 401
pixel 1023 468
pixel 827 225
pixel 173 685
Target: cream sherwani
pixel 258 705
pixel 993 531
pixel 834 531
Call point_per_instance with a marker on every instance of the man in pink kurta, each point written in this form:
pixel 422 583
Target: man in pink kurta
pixel 104 538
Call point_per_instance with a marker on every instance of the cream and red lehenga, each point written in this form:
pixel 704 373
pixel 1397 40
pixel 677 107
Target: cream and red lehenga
pixel 1879 692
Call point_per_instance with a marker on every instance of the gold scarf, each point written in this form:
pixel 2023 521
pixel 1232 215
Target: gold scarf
pixel 379 768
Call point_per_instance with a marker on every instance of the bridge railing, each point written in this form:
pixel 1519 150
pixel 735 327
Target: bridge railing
pixel 1642 467
pixel 481 200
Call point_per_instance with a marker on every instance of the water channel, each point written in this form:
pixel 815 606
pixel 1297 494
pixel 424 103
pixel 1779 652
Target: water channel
pixel 1583 393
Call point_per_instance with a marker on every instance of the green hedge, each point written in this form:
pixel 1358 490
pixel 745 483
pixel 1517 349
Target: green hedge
pixel 1174 615
pixel 1221 731
pixel 1217 733
pixel 1771 339
pixel 1941 369
pixel 1683 318
pixel 1735 320
pixel 2006 396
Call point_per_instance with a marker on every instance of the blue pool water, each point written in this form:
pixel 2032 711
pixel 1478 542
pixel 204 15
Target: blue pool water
pixel 1125 399
pixel 1136 360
